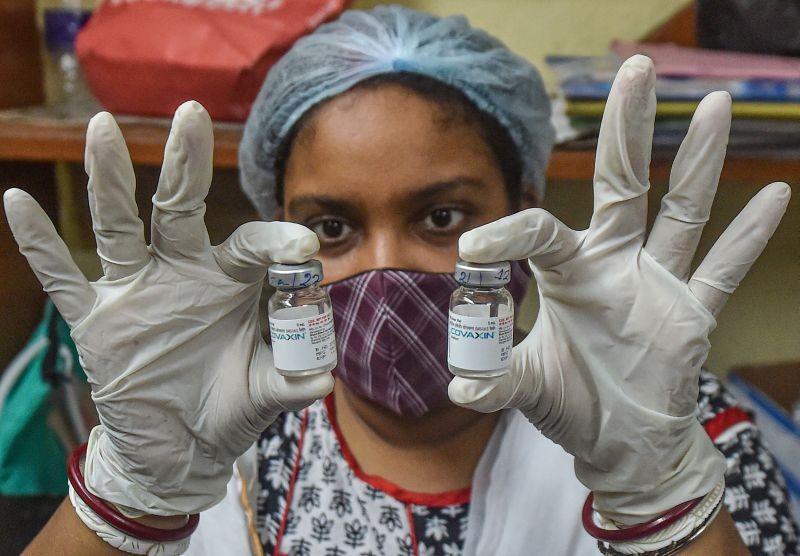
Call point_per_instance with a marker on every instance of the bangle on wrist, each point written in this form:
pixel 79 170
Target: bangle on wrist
pixel 113 517
pixel 666 535
pixel 637 531
pixel 119 540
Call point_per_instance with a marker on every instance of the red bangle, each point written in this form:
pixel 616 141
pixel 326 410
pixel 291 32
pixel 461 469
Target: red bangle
pixel 637 531
pixel 113 517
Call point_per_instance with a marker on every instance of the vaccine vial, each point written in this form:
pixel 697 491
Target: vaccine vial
pixel 300 320
pixel 481 321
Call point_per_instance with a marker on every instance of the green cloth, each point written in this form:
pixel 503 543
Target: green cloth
pixel 32 460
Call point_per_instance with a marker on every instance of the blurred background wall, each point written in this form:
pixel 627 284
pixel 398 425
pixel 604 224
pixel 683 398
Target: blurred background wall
pixel 534 28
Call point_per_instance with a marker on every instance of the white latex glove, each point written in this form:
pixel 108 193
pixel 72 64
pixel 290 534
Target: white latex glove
pixel 610 370
pixel 169 337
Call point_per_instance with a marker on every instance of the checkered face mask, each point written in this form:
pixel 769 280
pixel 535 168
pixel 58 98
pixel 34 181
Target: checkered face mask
pixel 391 335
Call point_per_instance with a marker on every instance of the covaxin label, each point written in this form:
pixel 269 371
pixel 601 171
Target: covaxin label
pixel 302 344
pixel 480 343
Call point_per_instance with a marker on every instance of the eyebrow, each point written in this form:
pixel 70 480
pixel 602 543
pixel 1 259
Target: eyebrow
pixel 423 194
pixel 435 189
pixel 325 202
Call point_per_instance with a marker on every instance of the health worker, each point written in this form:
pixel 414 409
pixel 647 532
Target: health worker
pixel 387 144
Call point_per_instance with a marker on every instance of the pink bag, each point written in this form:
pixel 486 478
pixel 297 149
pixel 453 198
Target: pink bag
pixel 148 56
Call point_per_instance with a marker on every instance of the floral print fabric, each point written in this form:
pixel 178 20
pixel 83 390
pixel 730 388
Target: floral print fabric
pixel 314 500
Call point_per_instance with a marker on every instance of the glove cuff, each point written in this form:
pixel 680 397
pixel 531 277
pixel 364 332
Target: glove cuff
pixel 667 538
pixel 108 476
pixel 114 528
pixel 698 469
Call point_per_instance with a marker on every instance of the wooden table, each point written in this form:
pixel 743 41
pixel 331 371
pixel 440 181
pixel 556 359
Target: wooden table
pixel 34 134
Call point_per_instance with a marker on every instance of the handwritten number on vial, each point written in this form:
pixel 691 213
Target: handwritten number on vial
pixel 310 279
pixel 502 274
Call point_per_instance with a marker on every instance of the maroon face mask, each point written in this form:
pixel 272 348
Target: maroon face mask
pixel 391 335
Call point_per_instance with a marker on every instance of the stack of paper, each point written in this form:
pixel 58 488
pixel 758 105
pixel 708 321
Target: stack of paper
pixel 765 91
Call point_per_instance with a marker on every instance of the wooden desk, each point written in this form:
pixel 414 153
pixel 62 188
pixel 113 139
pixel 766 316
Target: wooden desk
pixel 35 135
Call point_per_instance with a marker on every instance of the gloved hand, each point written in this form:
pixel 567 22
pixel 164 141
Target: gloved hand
pixel 610 369
pixel 169 337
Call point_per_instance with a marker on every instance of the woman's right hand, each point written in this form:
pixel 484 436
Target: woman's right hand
pixel 169 336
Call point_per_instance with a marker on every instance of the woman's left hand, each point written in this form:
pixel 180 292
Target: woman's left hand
pixel 610 369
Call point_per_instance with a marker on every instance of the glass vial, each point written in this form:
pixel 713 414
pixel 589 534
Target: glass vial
pixel 300 320
pixel 481 322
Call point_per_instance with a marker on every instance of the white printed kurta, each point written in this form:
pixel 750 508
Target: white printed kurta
pixel 314 500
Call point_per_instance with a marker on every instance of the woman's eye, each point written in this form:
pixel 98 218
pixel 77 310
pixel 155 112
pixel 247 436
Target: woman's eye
pixel 330 229
pixel 444 219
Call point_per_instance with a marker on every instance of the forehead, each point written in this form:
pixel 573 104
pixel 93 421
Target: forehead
pixel 382 143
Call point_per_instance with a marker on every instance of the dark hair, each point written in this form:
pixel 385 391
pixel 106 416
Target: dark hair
pixel 454 105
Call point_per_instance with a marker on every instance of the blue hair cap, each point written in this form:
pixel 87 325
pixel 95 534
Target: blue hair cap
pixel 393 39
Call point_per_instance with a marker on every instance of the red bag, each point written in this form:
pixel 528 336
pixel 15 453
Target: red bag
pixel 148 56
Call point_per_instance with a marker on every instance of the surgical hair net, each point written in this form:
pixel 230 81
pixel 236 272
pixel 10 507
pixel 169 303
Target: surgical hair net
pixel 393 39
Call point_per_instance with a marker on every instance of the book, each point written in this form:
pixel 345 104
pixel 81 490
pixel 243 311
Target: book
pixel 767 110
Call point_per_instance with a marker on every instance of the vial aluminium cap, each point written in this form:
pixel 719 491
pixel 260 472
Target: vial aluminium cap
pixel 487 274
pixel 295 276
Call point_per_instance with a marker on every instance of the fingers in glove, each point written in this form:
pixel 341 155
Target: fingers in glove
pixel 245 255
pixel 294 393
pixel 623 155
pixel 692 185
pixel 48 256
pixel 485 395
pixel 118 231
pixel 273 393
pixel 533 234
pixel 739 246
pixel 178 227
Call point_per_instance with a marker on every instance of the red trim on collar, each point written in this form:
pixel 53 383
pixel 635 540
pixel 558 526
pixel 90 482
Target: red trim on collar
pixel 437 500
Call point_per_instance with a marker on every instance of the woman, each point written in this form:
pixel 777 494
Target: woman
pixel 400 142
